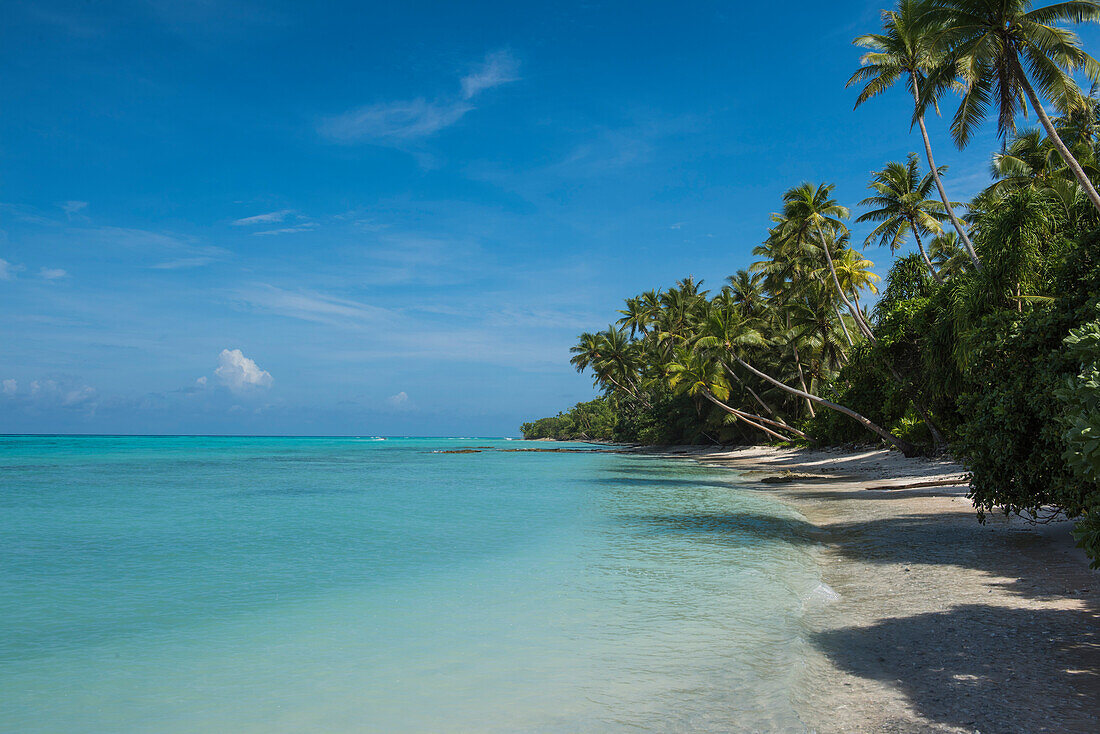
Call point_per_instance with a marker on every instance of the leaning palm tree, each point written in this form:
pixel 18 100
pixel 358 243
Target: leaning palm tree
pixel 809 208
pixel 1005 53
pixel 906 50
pixel 693 373
pixel 902 206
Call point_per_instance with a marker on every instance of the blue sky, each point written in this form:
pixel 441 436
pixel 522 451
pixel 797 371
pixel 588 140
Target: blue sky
pixel 359 218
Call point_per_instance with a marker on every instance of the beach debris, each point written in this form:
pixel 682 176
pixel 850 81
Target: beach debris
pixel 793 476
pixel 932 483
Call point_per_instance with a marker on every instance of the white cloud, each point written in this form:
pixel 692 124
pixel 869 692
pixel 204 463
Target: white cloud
pixel 201 382
pixel 399 399
pixel 183 262
pixel 394 122
pixel 313 306
pixel 304 227
pixel 63 394
pixel 402 121
pixel 238 372
pixel 498 68
pixel 73 207
pixel 7 270
pixel 52 273
pixel 9 387
pixel 268 218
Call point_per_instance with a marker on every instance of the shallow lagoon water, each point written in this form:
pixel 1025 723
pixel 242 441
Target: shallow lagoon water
pixel 178 584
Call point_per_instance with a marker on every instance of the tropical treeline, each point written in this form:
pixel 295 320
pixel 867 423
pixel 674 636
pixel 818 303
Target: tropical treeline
pixel 984 342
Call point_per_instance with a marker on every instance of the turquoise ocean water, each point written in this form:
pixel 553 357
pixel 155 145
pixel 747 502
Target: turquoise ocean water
pixel 185 584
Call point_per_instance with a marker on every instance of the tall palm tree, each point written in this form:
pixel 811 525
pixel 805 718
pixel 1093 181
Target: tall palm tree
pixel 811 208
pixel 902 206
pixel 906 50
pixel 990 42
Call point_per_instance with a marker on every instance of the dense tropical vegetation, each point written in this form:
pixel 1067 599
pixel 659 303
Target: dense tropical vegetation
pixel 985 342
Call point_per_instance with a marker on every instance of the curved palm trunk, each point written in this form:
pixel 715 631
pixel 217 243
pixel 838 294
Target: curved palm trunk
pixel 752 392
pixel 843 326
pixel 1052 134
pixel 923 254
pixel 859 307
pixel 939 182
pixel 836 281
pixel 752 419
pixel 901 444
pixel 628 391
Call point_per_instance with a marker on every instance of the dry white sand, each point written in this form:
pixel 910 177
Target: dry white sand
pixel 942 624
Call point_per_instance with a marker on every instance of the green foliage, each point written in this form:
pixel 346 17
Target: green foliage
pixel 590 421
pixel 986 343
pixel 1081 394
pixel 1081 397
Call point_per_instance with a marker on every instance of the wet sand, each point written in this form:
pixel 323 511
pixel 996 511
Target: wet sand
pixel 942 624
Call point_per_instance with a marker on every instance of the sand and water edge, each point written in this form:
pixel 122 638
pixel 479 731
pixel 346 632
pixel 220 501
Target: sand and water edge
pixel 938 623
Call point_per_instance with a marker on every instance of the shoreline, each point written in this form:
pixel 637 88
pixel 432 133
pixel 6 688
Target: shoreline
pixel 941 624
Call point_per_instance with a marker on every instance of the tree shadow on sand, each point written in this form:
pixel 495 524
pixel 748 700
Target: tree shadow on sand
pixel 963 667
pixel 981 667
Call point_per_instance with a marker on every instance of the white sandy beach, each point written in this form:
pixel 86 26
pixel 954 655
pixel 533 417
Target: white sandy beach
pixel 941 624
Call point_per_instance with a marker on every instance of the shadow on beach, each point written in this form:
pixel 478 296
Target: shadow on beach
pixel 986 668
pixel 1026 661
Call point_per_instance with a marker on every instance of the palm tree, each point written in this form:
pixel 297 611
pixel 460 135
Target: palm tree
pixel 949 258
pixel 906 50
pixel 693 373
pixel 855 273
pixel 811 208
pixel 1028 159
pixel 902 206
pixel 611 357
pixel 988 45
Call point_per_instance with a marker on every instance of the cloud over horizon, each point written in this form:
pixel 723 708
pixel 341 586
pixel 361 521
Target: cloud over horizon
pixel 239 373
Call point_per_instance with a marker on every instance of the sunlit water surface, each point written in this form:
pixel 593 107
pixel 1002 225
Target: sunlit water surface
pixel 346 585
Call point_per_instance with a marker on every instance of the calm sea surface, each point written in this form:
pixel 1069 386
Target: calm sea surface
pixel 193 584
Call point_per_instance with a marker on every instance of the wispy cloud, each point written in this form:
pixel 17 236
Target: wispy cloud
pixel 399 122
pixel 498 68
pixel 63 392
pixel 269 218
pixel 52 273
pixel 8 270
pixel 392 122
pixel 183 263
pixel 303 227
pixel 73 207
pixel 312 306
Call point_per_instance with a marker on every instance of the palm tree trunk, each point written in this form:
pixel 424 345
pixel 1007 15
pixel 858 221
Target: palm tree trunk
pixel 1052 135
pixel 938 442
pixel 859 307
pixel 901 444
pixel 939 183
pixel 629 392
pixel 802 380
pixel 843 326
pixel 836 281
pixel 751 419
pixel 752 392
pixel 923 254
